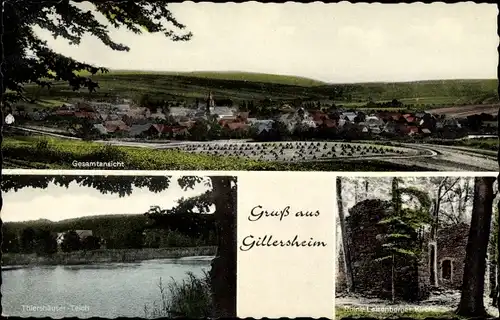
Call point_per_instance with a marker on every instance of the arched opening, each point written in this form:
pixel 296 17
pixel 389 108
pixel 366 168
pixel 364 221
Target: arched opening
pixel 447 269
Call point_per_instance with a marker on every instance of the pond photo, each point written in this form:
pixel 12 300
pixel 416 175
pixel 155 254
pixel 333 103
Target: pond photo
pixel 118 246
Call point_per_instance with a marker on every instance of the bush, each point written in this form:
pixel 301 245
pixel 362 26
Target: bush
pixel 107 153
pixel 42 144
pixel 190 298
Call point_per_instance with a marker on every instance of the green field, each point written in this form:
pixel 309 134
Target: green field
pixel 52 153
pixel 231 76
pixel 341 313
pixel 485 144
pixel 240 86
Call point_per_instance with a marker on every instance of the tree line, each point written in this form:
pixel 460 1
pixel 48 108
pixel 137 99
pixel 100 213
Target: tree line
pixel 119 232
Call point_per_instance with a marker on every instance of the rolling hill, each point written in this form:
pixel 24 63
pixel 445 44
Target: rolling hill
pixel 240 86
pixel 231 76
pixel 100 224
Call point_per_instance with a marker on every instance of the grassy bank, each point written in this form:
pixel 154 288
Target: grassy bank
pixel 359 313
pixel 483 144
pixel 104 256
pixel 190 298
pixel 50 153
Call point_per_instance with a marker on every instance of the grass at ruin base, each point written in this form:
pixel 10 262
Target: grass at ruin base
pixel 351 313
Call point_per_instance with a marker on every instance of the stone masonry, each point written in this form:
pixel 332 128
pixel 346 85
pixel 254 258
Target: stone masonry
pixel 412 276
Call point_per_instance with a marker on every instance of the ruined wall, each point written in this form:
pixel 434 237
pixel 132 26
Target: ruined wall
pixel 452 244
pixel 374 277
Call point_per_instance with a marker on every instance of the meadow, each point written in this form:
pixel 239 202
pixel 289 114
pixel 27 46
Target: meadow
pixel 52 153
pixel 244 86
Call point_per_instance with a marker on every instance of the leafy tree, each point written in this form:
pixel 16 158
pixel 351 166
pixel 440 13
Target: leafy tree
pixel 71 242
pixel 45 243
pixel 472 294
pixel 10 241
pixel 152 238
pixel 190 217
pixel 200 131
pixel 222 196
pixel 134 239
pixel 215 130
pixel 84 128
pixel 145 101
pixel 28 236
pixel 91 243
pixel 27 59
pixel 395 103
pixel 402 227
pixel 279 130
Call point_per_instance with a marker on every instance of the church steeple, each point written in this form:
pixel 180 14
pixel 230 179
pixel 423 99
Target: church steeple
pixel 210 103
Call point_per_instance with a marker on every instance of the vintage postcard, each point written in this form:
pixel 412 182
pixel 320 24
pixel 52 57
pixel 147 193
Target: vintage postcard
pixel 222 160
pixel 202 86
pixel 111 245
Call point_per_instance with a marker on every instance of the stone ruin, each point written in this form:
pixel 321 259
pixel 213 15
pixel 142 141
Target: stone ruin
pixel 413 276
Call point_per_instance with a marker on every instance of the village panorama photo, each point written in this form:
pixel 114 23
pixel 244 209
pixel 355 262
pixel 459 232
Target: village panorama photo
pixel 417 247
pixel 119 246
pixel 202 86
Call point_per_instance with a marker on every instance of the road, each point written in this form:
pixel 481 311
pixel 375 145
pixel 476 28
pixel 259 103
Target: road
pixel 429 156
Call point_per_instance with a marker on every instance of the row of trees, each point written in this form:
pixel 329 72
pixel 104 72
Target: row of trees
pixel 43 241
pixel 404 224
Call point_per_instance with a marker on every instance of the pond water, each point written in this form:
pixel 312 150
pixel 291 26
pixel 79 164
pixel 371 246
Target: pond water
pixel 100 290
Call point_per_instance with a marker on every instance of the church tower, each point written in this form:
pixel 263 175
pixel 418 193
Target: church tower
pixel 210 104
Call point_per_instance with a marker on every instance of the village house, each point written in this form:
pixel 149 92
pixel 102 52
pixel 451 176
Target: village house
pixel 187 123
pixel 87 115
pixel 37 115
pixel 158 115
pixel 162 130
pixel 181 112
pixel 116 126
pixel 156 130
pixel 349 116
pixel 138 129
pixel 237 126
pixel 297 118
pixel 100 128
pixel 448 123
pixel 221 112
pixel 428 121
pixel 82 234
pixel 261 125
pixel 372 124
pixel 64 110
pixel 390 127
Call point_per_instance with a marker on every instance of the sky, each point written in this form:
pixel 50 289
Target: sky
pixel 336 43
pixel 58 203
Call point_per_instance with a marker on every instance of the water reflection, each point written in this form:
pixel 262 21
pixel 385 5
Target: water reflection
pixel 100 290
